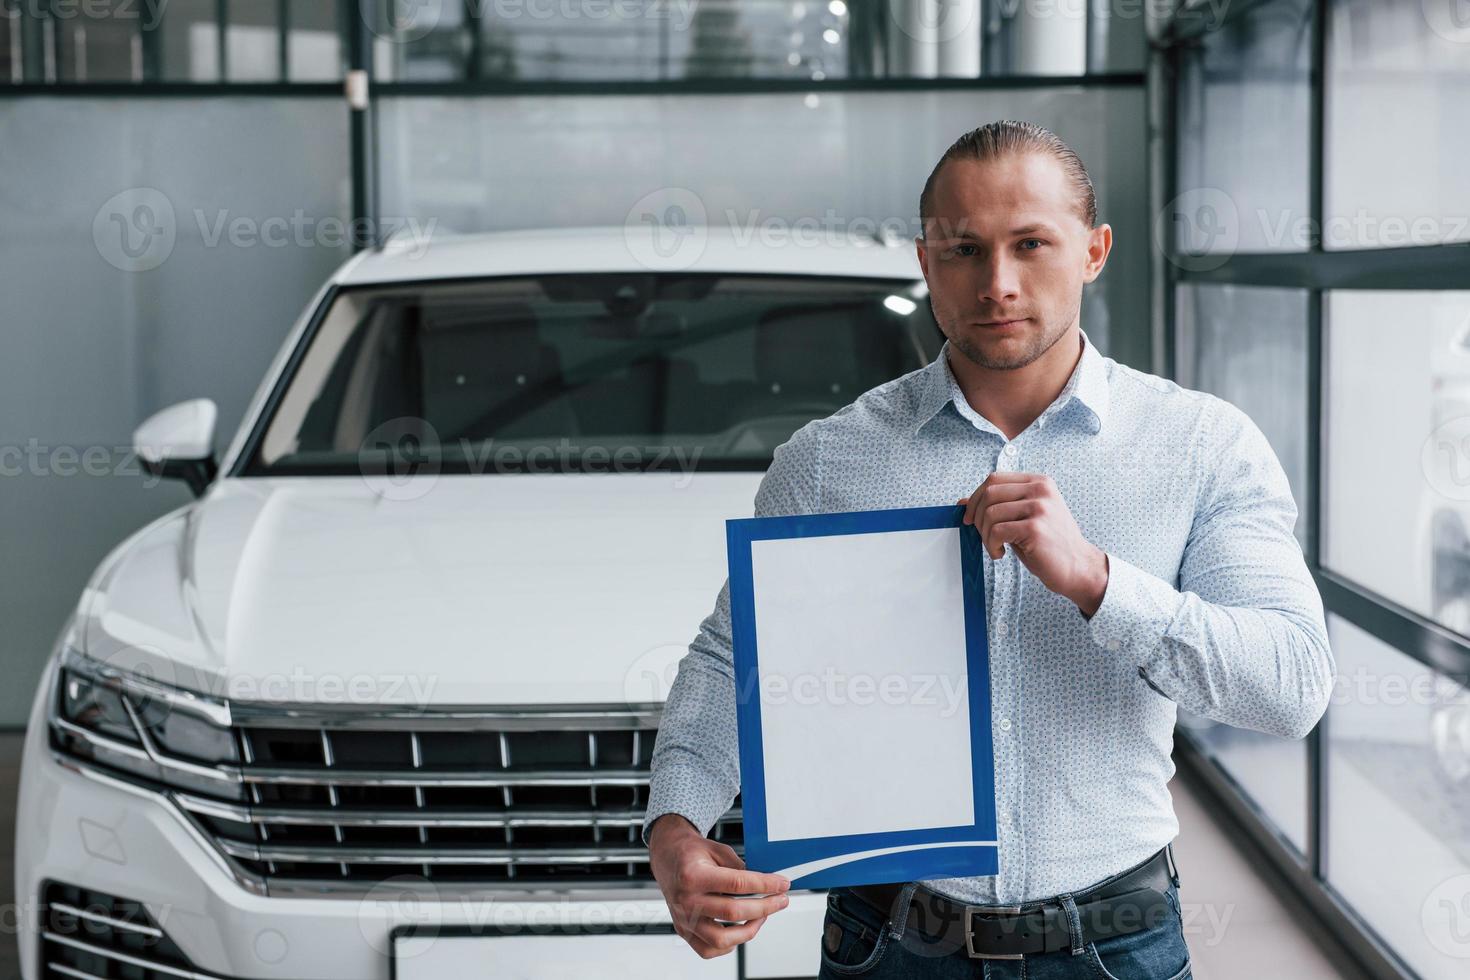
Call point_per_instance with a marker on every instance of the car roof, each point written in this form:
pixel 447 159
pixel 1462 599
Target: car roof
pixel 783 250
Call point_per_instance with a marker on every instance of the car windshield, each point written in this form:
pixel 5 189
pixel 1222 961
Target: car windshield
pixel 561 372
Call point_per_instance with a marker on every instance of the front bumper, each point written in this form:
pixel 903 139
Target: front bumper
pixel 83 829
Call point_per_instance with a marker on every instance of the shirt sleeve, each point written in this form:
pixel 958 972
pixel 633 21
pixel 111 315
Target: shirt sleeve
pixel 1243 639
pixel 696 762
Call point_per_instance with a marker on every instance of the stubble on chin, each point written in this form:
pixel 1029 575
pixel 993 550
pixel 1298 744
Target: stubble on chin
pixel 1036 345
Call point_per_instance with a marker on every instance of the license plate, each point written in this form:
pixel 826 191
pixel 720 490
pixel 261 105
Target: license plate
pixel 543 955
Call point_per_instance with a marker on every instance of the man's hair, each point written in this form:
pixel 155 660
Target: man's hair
pixel 1008 137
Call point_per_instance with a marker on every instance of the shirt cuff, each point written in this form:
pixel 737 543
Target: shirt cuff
pixel 1136 610
pixel 687 791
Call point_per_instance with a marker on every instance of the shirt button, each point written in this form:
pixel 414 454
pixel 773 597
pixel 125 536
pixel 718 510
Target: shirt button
pixel 1001 629
pixel 1010 449
pixel 1113 645
pixel 1005 724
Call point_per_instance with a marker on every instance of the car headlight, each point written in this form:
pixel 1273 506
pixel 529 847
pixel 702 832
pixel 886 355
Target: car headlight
pixel 129 725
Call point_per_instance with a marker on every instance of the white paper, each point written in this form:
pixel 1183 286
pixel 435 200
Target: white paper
pixel 865 714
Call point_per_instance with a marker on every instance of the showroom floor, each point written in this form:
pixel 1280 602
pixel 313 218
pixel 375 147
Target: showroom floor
pixel 1235 924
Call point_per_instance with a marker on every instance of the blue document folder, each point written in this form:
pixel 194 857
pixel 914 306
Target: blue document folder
pixel 863 696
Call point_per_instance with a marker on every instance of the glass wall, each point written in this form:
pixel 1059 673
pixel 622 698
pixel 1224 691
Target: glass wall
pixel 808 40
pixel 1312 284
pixel 1249 346
pixel 1397 474
pixel 1398 807
pixel 197 41
pixel 1399 73
pixel 481 164
pixel 153 251
pixel 1243 106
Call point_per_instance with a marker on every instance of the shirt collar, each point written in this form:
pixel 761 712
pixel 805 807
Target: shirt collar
pixel 1088 385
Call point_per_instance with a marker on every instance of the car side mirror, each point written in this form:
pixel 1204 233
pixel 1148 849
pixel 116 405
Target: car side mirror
pixel 178 443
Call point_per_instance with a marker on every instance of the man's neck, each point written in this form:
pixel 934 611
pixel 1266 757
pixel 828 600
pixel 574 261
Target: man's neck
pixel 1012 399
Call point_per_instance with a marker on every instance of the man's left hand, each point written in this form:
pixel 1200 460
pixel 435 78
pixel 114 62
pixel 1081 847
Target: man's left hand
pixel 1025 511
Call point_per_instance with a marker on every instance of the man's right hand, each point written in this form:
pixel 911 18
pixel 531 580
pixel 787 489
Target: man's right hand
pixel 698 876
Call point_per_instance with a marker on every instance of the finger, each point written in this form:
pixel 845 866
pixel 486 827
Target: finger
pixel 727 937
pixel 1002 492
pixel 701 947
pixel 972 505
pixel 1017 534
pixel 1000 513
pixel 740 882
pixel 739 909
pixel 725 855
pixel 994 489
pixel 1012 476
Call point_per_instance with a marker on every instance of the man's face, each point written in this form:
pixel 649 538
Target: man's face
pixel 1005 253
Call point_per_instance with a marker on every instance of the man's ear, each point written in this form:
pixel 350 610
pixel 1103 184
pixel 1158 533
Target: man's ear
pixel 922 252
pixel 1100 244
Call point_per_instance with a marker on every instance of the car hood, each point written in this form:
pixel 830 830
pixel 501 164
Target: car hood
pixel 508 589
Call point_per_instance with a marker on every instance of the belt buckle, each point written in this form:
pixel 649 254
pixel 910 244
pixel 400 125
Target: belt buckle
pixel 970 913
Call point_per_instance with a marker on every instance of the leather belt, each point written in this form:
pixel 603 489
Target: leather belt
pixel 1129 901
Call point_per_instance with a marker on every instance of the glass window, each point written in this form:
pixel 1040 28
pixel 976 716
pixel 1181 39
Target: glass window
pixel 189 41
pixel 99 41
pixel 1271 771
pixel 587 159
pixel 1119 40
pixel 422 41
pixel 253 41
pixel 11 64
pixel 1398 81
pixel 1248 345
pixel 1244 114
pixel 1397 759
pixel 1396 469
pixel 314 41
pixel 645 369
pixel 645 41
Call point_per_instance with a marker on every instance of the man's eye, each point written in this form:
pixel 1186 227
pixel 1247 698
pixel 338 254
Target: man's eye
pixel 1038 242
pixel 958 250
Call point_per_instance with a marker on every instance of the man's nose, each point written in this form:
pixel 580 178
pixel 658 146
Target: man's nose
pixel 999 281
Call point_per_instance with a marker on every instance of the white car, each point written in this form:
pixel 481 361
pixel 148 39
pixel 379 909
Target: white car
pixel 381 701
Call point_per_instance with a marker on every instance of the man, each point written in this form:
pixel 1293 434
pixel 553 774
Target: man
pixel 1142 558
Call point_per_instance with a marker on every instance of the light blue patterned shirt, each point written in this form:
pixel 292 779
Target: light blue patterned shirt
pixel 1208 605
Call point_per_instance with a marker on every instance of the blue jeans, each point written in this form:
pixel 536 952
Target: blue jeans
pixel 865 946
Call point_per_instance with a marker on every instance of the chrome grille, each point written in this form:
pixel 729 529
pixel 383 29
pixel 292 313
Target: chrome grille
pixel 89 935
pixel 538 797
